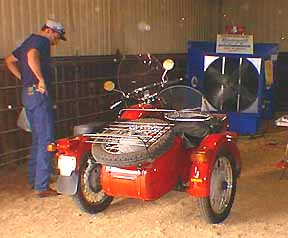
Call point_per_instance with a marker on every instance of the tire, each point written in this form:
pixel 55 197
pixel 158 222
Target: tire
pixel 133 155
pixel 223 184
pixel 89 196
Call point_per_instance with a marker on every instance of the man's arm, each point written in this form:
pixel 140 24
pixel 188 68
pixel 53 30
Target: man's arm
pixel 11 63
pixel 33 57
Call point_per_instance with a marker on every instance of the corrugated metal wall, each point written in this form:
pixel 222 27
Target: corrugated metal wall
pixel 86 21
pixel 265 19
pixel 160 25
pixel 99 27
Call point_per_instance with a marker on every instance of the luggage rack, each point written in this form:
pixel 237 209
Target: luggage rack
pixel 142 134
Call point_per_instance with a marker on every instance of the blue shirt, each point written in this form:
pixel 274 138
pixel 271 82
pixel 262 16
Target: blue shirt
pixel 42 44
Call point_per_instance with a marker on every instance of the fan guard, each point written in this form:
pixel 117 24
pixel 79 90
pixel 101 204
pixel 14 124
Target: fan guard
pixel 230 83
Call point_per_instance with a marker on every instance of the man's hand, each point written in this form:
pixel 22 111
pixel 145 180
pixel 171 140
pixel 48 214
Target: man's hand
pixel 42 88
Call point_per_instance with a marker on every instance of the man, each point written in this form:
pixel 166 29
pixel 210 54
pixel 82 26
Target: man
pixel 30 63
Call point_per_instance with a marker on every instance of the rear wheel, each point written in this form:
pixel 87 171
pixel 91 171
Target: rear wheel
pixel 89 196
pixel 215 208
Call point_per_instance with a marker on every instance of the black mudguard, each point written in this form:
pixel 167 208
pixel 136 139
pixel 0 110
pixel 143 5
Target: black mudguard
pixel 68 184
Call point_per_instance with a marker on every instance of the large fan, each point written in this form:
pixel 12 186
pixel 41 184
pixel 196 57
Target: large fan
pixel 230 84
pixel 240 85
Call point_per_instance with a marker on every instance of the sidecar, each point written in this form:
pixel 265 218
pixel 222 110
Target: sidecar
pixel 167 141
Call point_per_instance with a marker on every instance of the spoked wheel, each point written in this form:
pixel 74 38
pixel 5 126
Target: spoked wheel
pixel 89 196
pixel 217 206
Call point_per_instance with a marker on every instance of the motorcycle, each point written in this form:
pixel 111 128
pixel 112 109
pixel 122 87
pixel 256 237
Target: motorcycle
pixel 166 140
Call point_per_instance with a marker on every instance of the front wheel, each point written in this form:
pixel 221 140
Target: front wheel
pixel 215 208
pixel 89 196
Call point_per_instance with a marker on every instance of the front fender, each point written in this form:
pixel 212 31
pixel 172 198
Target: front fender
pixel 76 146
pixel 203 160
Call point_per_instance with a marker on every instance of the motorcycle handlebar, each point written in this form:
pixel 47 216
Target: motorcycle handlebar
pixel 162 84
pixel 137 90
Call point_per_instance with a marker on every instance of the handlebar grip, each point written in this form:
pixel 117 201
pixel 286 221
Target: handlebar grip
pixel 153 85
pixel 115 104
pixel 170 82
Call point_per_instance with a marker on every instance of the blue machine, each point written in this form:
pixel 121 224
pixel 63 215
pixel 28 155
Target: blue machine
pixel 240 85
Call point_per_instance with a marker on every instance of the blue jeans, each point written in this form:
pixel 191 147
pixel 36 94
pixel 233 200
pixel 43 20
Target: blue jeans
pixel 40 115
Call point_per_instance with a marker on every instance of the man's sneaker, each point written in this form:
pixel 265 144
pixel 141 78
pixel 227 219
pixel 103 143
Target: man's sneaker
pixel 46 193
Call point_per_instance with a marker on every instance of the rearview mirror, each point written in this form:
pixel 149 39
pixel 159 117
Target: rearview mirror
pixel 168 64
pixel 109 86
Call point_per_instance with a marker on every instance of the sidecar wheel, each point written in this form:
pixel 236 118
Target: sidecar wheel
pixel 90 196
pixel 129 156
pixel 215 208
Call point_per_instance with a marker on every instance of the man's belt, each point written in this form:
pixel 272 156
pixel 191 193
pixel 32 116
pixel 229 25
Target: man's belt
pixel 31 89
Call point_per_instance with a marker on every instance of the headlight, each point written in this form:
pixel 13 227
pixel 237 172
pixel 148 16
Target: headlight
pixel 66 164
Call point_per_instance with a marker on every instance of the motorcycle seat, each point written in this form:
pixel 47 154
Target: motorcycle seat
pixel 192 133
